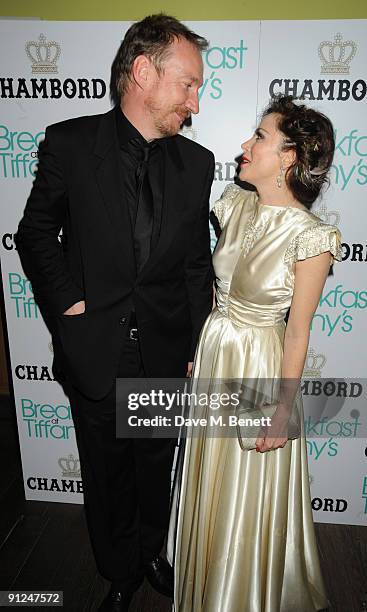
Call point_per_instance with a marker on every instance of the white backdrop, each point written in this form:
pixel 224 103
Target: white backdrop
pixel 246 62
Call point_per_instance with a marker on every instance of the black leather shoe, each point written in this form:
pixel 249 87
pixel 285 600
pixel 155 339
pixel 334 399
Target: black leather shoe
pixel 116 601
pixel 159 574
pixel 118 598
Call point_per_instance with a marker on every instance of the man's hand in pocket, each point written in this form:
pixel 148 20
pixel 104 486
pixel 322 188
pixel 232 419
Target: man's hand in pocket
pixel 76 309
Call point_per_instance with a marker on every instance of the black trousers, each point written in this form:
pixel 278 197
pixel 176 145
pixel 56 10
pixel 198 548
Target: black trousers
pixel 126 482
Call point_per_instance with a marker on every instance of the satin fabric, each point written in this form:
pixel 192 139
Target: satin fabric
pixel 241 533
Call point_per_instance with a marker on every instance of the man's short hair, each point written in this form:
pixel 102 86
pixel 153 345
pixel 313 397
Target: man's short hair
pixel 151 37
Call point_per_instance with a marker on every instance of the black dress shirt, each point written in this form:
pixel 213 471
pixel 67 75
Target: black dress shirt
pixel 126 133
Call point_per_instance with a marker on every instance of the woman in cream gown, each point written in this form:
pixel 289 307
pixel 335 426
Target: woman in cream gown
pixel 243 532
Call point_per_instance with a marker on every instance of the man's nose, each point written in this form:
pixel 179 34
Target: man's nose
pixel 193 102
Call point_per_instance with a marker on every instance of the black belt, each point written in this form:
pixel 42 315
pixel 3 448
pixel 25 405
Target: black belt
pixel 133 327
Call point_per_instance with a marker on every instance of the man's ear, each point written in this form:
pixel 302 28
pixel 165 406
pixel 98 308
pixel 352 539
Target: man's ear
pixel 142 71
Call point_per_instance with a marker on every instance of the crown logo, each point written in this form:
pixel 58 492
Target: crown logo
pixel 70 466
pixel 43 55
pixel 189 132
pixel 331 217
pixel 336 56
pixel 314 364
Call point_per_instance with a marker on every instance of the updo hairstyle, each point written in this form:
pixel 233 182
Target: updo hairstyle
pixel 311 135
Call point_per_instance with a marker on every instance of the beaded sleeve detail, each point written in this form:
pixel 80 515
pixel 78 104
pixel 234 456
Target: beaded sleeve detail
pixel 317 239
pixel 223 207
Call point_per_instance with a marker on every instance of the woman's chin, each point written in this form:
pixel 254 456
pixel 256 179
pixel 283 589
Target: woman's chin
pixel 244 176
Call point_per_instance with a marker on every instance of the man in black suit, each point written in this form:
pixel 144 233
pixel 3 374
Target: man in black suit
pixel 129 286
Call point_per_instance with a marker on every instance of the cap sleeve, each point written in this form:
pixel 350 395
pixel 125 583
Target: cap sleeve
pixel 224 206
pixel 313 241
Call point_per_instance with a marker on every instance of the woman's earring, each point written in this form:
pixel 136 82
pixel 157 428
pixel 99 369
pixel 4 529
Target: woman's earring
pixel 280 177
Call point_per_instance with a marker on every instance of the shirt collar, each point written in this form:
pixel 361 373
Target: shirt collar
pixel 127 131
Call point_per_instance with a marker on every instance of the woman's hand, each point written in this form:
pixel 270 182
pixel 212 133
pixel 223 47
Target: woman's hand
pixel 275 435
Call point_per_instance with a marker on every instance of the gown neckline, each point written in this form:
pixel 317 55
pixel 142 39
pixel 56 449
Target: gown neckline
pixel 276 206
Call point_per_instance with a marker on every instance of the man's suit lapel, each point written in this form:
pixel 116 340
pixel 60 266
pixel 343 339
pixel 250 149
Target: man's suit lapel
pixel 108 177
pixel 174 200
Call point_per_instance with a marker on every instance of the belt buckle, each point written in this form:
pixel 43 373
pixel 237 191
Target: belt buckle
pixel 133 333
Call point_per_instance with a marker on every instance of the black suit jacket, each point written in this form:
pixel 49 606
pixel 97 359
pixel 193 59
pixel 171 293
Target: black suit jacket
pixel 78 189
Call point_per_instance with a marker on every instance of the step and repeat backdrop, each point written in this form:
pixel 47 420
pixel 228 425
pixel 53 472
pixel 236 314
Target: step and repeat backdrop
pixel 51 71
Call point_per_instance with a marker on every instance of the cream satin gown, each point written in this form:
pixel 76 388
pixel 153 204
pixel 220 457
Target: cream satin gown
pixel 241 534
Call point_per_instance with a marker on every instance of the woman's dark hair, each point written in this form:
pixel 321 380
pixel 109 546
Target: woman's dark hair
pixel 311 135
pixel 152 37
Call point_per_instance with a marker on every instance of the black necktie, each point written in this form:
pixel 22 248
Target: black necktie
pixel 144 210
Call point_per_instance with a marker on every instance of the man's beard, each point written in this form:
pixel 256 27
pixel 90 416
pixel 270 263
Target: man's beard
pixel 164 122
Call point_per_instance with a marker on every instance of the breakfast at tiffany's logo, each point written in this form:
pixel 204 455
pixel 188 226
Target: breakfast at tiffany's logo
pixel 46 420
pixel 326 421
pixel 341 306
pixel 349 167
pixel 339 309
pixel 335 59
pixel 218 60
pixel 21 297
